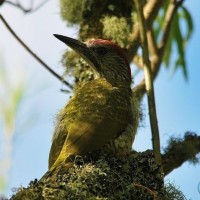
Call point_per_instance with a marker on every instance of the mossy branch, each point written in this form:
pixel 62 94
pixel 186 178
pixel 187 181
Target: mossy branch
pixel 180 150
pixel 136 176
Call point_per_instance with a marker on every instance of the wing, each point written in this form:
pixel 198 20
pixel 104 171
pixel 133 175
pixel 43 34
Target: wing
pixel 85 136
pixel 57 144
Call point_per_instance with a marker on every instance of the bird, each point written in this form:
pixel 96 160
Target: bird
pixel 102 113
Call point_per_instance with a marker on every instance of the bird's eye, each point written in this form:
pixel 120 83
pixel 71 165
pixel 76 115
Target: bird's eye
pixel 101 50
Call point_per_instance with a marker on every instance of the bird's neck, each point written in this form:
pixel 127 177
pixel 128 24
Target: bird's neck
pixel 117 82
pixel 111 83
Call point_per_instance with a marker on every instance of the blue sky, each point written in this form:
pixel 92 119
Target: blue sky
pixel 177 100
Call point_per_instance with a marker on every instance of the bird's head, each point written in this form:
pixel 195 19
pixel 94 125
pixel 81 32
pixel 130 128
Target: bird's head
pixel 106 58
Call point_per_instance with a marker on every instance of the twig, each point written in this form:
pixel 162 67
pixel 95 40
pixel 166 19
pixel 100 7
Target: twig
pixel 149 83
pixel 151 10
pixel 138 60
pixel 150 13
pixel 152 42
pixel 39 6
pixel 156 59
pixel 1 2
pixel 148 190
pixel 34 55
pixel 25 10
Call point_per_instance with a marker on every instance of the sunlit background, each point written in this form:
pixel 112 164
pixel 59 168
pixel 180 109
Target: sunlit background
pixel 30 97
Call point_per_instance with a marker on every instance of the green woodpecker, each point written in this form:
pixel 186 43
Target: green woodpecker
pixel 102 113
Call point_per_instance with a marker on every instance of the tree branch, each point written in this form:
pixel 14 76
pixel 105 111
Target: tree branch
pixel 25 10
pixel 1 2
pixel 150 13
pixel 34 55
pixel 152 42
pixel 138 60
pixel 104 177
pixel 149 83
pixel 156 58
pixel 180 151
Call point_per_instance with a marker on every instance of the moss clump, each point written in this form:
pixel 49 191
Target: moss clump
pixel 116 29
pixel 73 11
pixel 172 192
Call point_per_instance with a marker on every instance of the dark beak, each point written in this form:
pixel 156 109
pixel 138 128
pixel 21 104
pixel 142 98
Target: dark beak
pixel 82 49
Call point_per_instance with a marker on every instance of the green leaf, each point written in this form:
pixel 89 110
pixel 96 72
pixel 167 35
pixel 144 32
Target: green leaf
pixel 168 51
pixel 189 22
pixel 181 30
pixel 157 26
pixel 180 41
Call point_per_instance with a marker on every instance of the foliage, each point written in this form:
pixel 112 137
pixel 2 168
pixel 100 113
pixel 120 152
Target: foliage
pixel 13 91
pixel 173 192
pixel 181 31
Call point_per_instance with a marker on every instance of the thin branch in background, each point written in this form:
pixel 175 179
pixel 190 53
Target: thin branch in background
pixel 1 2
pixel 151 9
pixel 138 60
pixel 152 42
pixel 149 83
pixel 17 4
pixel 39 6
pixel 150 13
pixel 34 55
pixel 156 59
